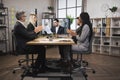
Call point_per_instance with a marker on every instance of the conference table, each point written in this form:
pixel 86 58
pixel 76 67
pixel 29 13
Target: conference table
pixel 52 41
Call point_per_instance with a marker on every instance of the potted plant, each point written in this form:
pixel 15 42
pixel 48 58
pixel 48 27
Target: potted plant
pixel 70 18
pixel 50 8
pixel 113 9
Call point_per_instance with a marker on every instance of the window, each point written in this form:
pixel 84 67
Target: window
pixel 78 11
pixel 62 13
pixel 71 12
pixel 71 3
pixel 71 8
pixel 62 4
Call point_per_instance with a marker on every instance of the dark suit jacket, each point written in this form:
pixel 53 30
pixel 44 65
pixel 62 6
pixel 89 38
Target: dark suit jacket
pixel 60 30
pixel 22 35
pixel 30 27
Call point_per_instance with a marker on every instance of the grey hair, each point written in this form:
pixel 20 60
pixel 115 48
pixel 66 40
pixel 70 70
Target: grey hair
pixel 19 15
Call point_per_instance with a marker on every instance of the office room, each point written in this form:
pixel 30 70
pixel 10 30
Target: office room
pixel 59 40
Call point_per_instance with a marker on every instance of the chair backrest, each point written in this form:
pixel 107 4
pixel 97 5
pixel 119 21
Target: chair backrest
pixel 15 45
pixel 13 42
pixel 90 44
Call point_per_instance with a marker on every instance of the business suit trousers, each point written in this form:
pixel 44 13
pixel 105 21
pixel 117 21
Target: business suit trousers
pixel 61 52
pixel 65 52
pixel 41 58
pixel 67 62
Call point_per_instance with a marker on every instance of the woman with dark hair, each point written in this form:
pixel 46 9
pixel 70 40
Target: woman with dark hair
pixel 83 34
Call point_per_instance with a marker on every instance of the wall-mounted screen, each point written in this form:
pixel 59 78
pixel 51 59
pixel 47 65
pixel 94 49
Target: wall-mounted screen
pixel 48 24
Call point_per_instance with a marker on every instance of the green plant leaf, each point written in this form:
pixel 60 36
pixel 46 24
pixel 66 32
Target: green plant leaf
pixel 113 9
pixel 71 18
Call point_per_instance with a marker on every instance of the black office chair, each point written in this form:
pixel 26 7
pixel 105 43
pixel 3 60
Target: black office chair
pixel 82 64
pixel 21 62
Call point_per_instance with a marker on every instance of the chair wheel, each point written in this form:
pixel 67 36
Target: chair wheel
pixel 19 64
pixel 86 75
pixel 93 71
pixel 14 72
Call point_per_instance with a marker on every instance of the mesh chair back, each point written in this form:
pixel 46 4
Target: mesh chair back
pixel 13 42
pixel 16 49
pixel 90 44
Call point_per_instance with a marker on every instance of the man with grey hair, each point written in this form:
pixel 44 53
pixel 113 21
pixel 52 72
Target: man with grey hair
pixel 23 35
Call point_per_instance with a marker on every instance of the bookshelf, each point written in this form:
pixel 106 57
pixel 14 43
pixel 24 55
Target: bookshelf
pixel 107 36
pixel 4 30
pixel 48 15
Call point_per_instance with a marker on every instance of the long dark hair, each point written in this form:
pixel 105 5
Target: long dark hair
pixel 84 16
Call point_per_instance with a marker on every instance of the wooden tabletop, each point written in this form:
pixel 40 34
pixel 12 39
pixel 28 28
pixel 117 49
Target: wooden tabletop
pixel 51 41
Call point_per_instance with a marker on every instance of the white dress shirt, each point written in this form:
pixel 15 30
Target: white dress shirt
pixel 57 29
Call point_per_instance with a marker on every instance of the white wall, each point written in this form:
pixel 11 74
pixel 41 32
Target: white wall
pixel 26 5
pixel 94 8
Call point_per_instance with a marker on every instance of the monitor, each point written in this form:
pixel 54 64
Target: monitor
pixel 48 24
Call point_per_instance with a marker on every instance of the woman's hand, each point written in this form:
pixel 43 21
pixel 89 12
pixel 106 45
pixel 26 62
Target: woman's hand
pixel 38 29
pixel 72 33
pixel 68 31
